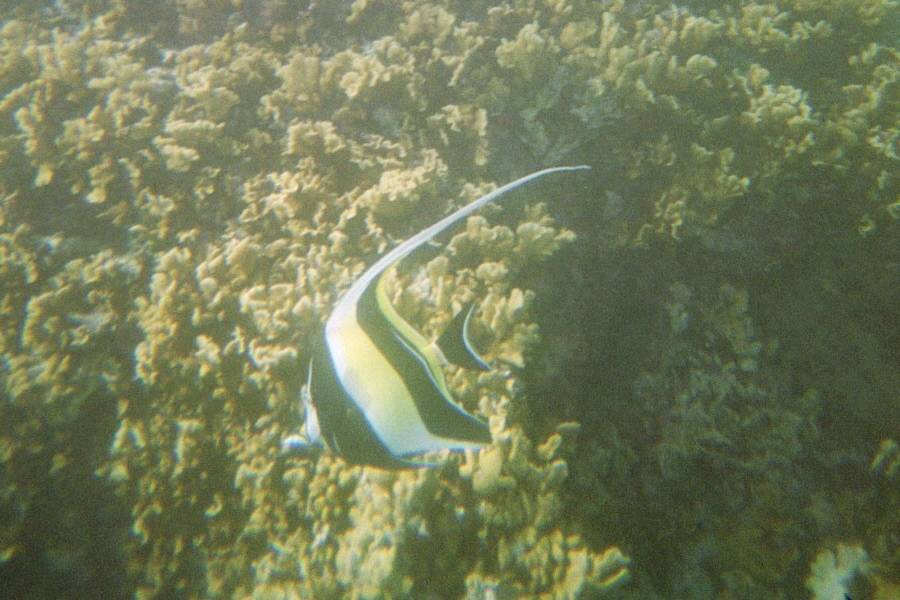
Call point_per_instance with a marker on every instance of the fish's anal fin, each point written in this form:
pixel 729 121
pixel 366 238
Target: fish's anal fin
pixel 455 344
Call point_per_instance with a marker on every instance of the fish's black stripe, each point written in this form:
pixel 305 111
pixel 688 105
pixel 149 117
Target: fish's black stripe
pixel 342 423
pixel 440 417
pixel 455 343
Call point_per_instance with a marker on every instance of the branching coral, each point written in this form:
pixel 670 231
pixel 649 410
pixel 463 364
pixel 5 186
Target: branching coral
pixel 833 572
pixel 185 197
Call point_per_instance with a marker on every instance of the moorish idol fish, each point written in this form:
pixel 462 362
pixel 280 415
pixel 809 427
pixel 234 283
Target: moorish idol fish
pixel 376 391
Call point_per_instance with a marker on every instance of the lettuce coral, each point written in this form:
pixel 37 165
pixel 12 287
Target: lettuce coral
pixel 189 186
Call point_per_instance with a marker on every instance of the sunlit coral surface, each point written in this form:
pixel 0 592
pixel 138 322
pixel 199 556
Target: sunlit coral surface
pixel 695 346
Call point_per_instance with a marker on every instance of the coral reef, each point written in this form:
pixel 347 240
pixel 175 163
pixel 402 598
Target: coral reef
pixel 187 187
pixel 833 572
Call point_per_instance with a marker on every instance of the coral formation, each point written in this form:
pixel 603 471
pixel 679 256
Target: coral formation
pixel 844 573
pixel 187 187
pixel 832 573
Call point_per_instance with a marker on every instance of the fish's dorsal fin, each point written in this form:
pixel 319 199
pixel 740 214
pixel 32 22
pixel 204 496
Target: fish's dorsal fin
pixel 455 344
pixel 348 300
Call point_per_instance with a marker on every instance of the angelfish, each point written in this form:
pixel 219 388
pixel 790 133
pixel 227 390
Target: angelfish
pixel 376 391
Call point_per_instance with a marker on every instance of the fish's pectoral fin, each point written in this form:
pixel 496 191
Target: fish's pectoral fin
pixel 455 344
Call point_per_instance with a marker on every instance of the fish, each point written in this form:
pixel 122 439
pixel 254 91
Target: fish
pixel 375 391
